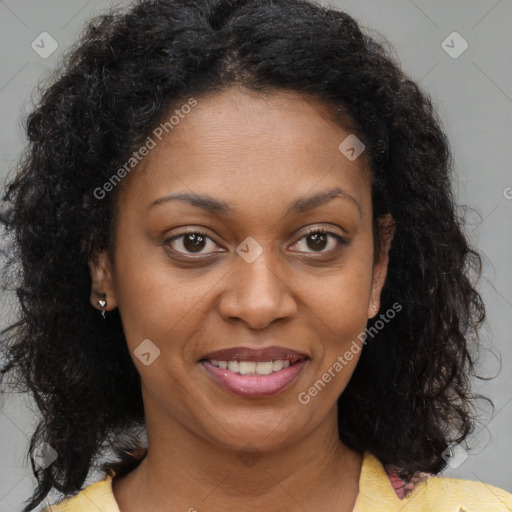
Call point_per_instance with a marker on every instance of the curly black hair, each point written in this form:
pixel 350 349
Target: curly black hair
pixel 410 394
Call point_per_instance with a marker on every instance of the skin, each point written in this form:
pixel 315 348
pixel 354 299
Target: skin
pixel 259 153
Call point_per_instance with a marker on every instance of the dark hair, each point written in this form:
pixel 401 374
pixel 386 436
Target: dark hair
pixel 410 394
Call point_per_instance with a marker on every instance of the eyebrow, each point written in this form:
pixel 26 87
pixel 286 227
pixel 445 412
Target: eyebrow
pixel 212 205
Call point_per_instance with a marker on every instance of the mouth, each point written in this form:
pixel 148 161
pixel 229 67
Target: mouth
pixel 248 361
pixel 254 373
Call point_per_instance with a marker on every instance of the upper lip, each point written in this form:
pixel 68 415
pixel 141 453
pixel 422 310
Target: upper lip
pixel 258 355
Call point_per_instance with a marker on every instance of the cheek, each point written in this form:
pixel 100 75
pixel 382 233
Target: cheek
pixel 340 297
pixel 339 302
pixel 160 302
pixel 341 316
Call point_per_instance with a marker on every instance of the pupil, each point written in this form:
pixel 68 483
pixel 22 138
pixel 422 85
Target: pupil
pixel 316 238
pixel 193 242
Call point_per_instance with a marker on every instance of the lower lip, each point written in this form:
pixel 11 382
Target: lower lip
pixel 255 386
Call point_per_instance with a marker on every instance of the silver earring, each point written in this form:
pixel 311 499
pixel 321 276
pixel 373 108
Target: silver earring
pixel 102 302
pixel 374 308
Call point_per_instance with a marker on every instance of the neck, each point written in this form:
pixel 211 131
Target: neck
pixel 184 471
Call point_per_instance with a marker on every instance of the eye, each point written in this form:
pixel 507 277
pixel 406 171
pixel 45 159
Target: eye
pixel 318 238
pixel 193 242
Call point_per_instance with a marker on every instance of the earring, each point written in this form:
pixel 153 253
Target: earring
pixel 374 308
pixel 102 302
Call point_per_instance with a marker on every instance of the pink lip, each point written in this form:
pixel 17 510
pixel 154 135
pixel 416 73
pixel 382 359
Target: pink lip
pixel 254 386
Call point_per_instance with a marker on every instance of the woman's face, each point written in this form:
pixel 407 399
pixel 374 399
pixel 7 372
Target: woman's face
pixel 236 270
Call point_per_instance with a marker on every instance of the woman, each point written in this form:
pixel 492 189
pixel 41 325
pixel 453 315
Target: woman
pixel 237 235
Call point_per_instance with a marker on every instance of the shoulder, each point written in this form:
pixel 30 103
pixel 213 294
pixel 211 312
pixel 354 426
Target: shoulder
pixel 96 497
pixel 462 495
pixel 433 493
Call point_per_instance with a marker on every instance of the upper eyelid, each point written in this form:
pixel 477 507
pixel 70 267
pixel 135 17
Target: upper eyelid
pixel 203 232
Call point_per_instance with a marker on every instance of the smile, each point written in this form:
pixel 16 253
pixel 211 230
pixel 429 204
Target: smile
pixel 253 379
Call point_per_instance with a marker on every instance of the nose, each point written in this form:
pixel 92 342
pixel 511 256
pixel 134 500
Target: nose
pixel 257 293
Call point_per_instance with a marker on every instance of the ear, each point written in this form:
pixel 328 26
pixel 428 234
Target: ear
pixel 100 270
pixel 380 267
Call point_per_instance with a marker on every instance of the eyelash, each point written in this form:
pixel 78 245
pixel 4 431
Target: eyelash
pixel 312 231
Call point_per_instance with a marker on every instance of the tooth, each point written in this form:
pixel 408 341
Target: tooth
pixel 246 367
pixel 264 368
pixel 277 365
pixel 252 367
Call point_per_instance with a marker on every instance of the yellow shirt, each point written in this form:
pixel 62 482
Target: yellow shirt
pixel 376 494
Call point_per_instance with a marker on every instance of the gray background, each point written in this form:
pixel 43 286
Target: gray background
pixel 474 97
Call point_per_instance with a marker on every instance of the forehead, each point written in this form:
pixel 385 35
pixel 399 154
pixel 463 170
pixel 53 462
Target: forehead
pixel 254 121
pixel 239 144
